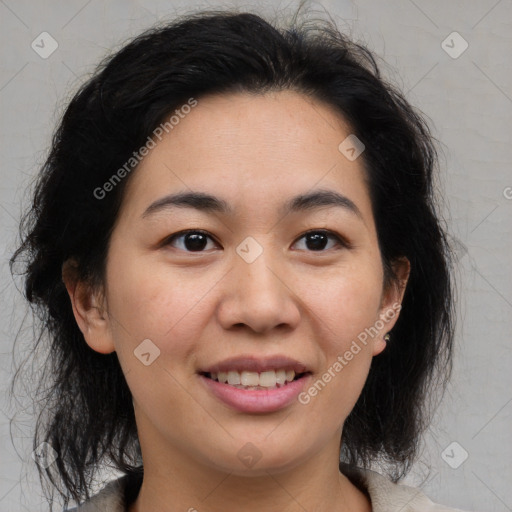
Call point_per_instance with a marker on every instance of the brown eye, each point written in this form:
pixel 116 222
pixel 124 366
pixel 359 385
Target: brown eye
pixel 318 240
pixel 190 241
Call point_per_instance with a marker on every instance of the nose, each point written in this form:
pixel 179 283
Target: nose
pixel 259 296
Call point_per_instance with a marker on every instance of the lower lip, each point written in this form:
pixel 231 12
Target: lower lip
pixel 256 400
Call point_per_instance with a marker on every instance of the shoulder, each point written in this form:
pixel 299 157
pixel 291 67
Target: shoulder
pixel 109 499
pixel 387 496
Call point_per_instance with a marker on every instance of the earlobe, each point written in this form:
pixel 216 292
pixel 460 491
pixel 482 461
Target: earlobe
pixel 89 310
pixel 378 345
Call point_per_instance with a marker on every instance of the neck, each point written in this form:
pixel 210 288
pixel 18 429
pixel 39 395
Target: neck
pixel 173 481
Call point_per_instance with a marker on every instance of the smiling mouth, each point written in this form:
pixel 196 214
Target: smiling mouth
pixel 251 381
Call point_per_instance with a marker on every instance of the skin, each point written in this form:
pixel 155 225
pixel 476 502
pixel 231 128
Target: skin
pixel 199 308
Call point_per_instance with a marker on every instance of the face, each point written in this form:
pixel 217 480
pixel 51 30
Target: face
pixel 278 285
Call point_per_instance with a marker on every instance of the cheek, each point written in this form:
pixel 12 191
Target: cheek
pixel 153 302
pixel 344 307
pixel 170 309
pixel 345 302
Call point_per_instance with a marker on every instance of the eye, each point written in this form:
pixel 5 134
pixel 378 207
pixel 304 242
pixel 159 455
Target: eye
pixel 191 240
pixel 196 240
pixel 317 240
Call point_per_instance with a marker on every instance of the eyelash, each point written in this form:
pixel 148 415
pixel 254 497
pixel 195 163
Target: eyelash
pixel 331 234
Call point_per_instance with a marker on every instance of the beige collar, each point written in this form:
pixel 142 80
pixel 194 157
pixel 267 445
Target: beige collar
pixel 385 496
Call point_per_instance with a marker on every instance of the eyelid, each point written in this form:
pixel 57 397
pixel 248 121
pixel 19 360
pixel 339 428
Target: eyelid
pixel 341 241
pixel 167 240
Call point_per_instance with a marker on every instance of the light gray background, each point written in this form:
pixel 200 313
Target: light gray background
pixel 469 102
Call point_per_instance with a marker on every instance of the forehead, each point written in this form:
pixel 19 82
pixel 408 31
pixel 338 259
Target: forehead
pixel 250 147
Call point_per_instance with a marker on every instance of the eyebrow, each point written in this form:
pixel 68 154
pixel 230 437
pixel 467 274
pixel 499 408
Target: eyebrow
pixel 211 204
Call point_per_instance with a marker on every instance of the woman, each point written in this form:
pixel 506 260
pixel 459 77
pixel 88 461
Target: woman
pixel 234 249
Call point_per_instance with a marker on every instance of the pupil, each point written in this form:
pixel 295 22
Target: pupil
pixel 195 241
pixel 319 241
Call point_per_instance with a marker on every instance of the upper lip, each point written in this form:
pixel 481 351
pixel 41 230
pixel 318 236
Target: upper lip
pixel 256 364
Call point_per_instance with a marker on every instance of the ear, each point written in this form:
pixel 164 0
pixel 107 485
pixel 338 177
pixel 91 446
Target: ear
pixel 391 302
pixel 89 308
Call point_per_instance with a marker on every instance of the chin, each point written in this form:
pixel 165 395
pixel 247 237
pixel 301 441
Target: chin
pixel 254 458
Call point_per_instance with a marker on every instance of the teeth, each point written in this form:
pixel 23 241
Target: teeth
pixel 255 380
pixel 249 378
pixel 233 378
pixel 268 379
pixel 281 377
